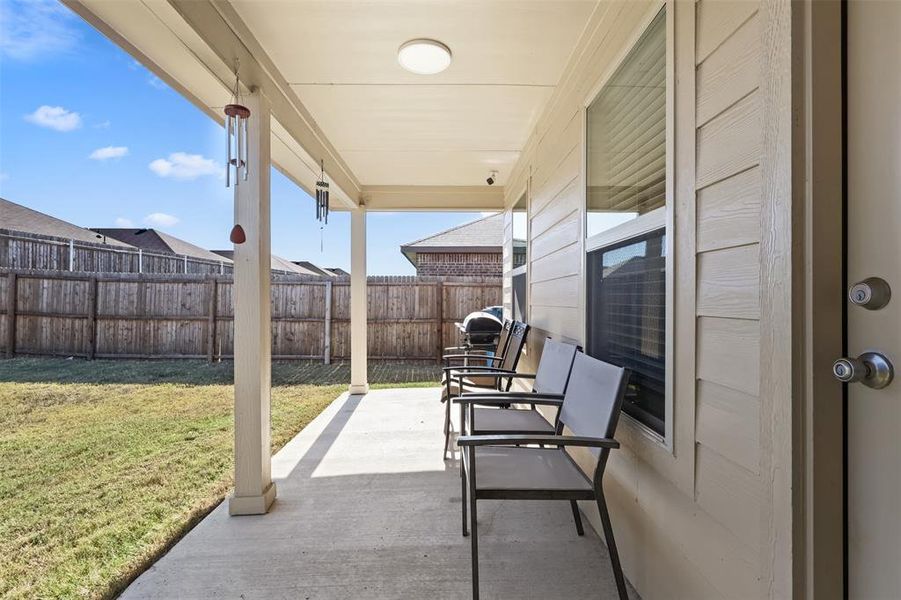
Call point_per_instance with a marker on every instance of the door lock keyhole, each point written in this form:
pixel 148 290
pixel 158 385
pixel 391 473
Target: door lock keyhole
pixel 872 293
pixel 870 368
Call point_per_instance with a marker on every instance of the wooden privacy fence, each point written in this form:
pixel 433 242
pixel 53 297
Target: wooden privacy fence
pixel 20 250
pixel 191 316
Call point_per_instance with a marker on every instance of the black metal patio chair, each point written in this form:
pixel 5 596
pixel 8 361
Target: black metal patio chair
pixel 481 377
pixel 508 467
pixel 491 410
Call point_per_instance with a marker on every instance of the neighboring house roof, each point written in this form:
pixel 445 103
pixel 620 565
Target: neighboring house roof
pixel 338 271
pixel 283 264
pixel 482 235
pixel 277 263
pixel 20 218
pixel 313 268
pixel 153 240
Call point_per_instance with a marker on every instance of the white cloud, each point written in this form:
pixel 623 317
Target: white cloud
pixel 55 117
pixel 109 152
pixel 156 82
pixel 180 165
pixel 34 29
pixel 102 125
pixel 160 220
pixel 123 222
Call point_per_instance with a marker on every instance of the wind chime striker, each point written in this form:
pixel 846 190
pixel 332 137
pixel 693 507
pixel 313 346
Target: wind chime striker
pixel 236 116
pixel 322 197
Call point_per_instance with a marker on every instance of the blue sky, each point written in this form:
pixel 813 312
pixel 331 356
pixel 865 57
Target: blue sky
pixel 88 135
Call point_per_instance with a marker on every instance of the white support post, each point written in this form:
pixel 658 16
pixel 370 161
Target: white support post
pixel 71 255
pixel 358 359
pixel 254 489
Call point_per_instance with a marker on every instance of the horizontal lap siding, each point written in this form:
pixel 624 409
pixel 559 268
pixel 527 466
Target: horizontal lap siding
pixel 704 538
pixel 728 485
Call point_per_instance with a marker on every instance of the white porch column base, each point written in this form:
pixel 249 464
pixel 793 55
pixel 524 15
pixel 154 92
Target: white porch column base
pixel 359 383
pixel 254 491
pixel 252 505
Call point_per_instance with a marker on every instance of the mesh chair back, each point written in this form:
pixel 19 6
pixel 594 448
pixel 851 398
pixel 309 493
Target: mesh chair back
pixel 553 367
pixel 594 398
pixel 504 338
pixel 515 343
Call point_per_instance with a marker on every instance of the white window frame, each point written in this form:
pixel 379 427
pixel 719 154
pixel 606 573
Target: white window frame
pixel 524 268
pixel 643 224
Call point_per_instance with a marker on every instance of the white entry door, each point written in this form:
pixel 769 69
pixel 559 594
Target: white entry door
pixel 874 251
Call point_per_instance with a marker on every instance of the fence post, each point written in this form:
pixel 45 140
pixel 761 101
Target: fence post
pixel 186 264
pixel 71 255
pixel 11 292
pixel 140 260
pixel 327 337
pixel 440 314
pixel 211 323
pixel 92 317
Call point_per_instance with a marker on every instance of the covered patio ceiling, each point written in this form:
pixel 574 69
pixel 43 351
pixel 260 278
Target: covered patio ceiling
pixel 389 138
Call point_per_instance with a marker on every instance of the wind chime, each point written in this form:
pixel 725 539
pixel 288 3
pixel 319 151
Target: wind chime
pixel 236 116
pixel 322 197
pixel 322 205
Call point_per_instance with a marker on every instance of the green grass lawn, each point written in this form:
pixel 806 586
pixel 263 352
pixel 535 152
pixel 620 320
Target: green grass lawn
pixel 104 464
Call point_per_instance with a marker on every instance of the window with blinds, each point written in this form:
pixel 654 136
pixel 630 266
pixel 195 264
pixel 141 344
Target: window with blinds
pixel 627 320
pixel 626 196
pixel 627 136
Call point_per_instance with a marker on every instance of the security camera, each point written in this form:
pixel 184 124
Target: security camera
pixel 491 177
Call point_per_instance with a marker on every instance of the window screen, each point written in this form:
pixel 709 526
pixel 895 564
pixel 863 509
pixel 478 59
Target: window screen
pixel 627 320
pixel 627 136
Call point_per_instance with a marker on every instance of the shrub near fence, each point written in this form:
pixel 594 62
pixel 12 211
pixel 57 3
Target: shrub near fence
pixel 191 316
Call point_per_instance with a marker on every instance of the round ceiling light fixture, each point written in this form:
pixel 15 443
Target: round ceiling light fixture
pixel 424 56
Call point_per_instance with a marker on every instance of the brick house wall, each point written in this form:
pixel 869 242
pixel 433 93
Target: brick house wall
pixel 478 264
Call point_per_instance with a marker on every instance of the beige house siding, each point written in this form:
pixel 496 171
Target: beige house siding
pixel 697 520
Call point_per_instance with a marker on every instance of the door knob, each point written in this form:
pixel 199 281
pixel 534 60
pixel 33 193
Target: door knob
pixel 870 368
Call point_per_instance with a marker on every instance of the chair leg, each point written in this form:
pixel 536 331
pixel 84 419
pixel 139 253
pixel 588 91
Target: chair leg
pixel 463 473
pixel 577 516
pixel 447 428
pixel 463 495
pixel 611 548
pixel 474 539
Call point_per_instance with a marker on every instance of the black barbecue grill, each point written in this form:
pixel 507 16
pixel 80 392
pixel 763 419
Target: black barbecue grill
pixel 480 329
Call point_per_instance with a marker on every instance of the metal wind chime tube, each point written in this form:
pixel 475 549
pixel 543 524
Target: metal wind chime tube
pixel 322 206
pixel 236 116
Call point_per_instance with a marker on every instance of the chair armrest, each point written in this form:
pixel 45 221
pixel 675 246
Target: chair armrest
pixel 476 371
pixel 485 371
pixel 522 440
pixel 516 395
pixel 464 356
pixel 464 349
pixel 506 400
pixel 463 370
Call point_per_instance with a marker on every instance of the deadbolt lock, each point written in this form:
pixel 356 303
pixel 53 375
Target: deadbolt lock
pixel 872 293
pixel 870 368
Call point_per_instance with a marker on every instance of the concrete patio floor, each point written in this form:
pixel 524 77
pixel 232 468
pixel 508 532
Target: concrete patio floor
pixel 366 508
